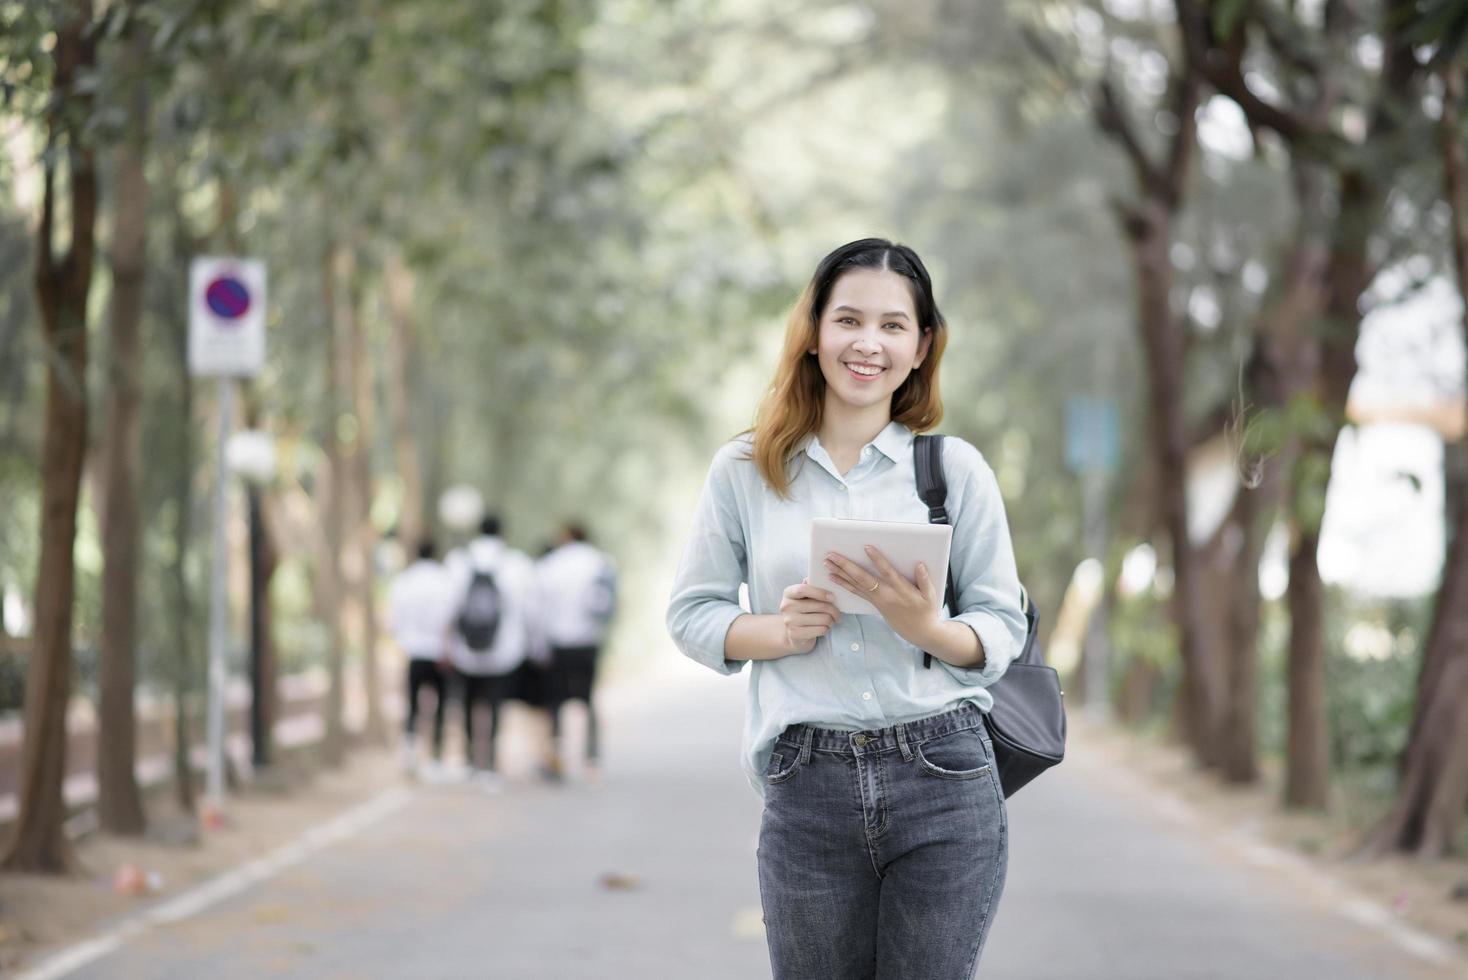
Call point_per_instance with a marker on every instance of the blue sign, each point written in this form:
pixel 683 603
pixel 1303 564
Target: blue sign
pixel 228 297
pixel 1092 435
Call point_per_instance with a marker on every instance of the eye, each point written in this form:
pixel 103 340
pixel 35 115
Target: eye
pixel 895 324
pixel 848 320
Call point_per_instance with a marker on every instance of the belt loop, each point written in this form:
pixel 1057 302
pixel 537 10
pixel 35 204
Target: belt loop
pixel 805 744
pixel 902 743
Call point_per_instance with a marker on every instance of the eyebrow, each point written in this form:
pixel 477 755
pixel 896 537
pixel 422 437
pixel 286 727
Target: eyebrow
pixel 852 309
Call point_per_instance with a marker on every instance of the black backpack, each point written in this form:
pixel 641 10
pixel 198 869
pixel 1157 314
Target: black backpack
pixel 479 618
pixel 1027 722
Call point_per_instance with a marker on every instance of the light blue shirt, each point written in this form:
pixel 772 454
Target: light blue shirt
pixel 861 675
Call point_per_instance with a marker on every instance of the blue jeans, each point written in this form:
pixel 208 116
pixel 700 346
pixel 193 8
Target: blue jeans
pixel 882 853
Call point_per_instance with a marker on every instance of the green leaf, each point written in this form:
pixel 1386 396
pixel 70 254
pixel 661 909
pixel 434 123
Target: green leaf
pixel 1226 16
pixel 169 29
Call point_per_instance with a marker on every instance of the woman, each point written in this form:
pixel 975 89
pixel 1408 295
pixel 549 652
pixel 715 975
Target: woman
pixel 883 843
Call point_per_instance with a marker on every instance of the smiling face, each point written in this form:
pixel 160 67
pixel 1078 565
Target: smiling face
pixel 868 340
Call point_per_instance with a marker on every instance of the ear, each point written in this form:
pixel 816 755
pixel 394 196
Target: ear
pixel 924 344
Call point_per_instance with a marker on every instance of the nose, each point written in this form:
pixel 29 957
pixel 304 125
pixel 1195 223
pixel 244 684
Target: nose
pixel 866 344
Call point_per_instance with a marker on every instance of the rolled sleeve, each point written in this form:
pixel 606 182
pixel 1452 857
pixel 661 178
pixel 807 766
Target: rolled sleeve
pixel 705 599
pixel 982 561
pixel 1000 647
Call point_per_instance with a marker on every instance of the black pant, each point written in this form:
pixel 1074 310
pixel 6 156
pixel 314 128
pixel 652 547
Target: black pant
pixel 571 677
pixel 426 673
pixel 492 689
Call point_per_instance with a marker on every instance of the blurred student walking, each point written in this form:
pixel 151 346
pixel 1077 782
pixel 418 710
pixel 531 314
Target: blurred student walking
pixel 578 595
pixel 420 610
pixel 495 588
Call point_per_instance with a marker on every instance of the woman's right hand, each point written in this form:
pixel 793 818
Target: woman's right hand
pixel 808 614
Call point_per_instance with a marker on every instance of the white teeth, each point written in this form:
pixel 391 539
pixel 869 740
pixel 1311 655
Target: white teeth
pixel 865 369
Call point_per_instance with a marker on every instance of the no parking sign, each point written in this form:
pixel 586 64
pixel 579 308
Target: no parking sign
pixel 226 317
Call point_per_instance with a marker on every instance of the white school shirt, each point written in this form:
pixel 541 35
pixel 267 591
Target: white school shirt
pixel 420 607
pixel 575 598
pixel 861 675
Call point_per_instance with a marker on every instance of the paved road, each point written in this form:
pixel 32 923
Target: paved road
pixel 457 883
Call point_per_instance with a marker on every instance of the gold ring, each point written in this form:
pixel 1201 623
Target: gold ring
pixel 875 586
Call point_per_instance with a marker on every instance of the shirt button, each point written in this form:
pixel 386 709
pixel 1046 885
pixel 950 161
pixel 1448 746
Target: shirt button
pixel 866 695
pixel 855 647
pixel 866 452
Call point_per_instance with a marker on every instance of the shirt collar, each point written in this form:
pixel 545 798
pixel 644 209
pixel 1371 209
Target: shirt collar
pixel 894 442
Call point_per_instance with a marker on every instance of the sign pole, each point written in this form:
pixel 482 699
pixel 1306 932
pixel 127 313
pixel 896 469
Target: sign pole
pixel 1098 649
pixel 226 341
pixel 218 604
pixel 1092 439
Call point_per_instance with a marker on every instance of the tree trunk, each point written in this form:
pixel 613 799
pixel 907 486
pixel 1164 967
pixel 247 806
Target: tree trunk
pixel 1362 195
pixel 1253 518
pixel 183 769
pixel 180 457
pixel 1434 789
pixel 119 804
pixel 1147 225
pixel 359 469
pixel 1281 365
pixel 1307 777
pixel 329 493
pixel 1307 755
pixel 398 284
pixel 37 841
pixel 264 560
pixel 1150 230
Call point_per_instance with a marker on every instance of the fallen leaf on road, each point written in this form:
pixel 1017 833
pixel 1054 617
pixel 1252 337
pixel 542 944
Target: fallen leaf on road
pixel 212 818
pixel 271 915
pixel 128 879
pixel 616 881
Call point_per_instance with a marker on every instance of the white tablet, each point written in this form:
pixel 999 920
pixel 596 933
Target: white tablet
pixel 904 545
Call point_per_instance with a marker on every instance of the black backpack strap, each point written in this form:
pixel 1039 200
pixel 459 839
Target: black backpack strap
pixel 932 487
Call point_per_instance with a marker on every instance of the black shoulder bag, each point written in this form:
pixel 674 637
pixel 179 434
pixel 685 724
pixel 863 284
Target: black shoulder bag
pixel 1027 722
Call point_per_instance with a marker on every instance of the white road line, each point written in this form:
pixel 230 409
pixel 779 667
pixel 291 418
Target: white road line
pixel 216 890
pixel 1344 898
pixel 1421 944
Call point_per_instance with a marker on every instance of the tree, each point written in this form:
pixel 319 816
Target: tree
pixel 1218 40
pixel 63 283
pixel 397 283
pixel 331 495
pixel 361 535
pixel 1147 224
pixel 1434 785
pixel 119 804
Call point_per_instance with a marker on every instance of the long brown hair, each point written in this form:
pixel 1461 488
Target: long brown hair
pixel 791 408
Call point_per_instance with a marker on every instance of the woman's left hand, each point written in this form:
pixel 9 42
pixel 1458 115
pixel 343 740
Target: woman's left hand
pixel 910 608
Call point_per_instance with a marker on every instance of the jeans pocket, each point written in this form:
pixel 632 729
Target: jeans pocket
pixel 783 764
pixel 961 755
